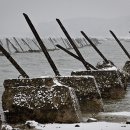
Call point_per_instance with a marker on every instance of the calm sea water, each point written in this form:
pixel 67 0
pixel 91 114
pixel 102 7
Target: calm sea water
pixel 36 65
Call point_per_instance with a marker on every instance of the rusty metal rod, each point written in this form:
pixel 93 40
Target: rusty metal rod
pixel 75 56
pixel 43 47
pixel 14 63
pixel 18 43
pixel 120 44
pixel 73 45
pixel 8 41
pixel 87 38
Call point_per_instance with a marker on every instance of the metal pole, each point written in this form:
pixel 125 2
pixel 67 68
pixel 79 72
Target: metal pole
pixel 15 64
pixel 120 44
pixel 43 47
pixel 18 44
pixel 73 44
pixel 93 45
pixel 75 56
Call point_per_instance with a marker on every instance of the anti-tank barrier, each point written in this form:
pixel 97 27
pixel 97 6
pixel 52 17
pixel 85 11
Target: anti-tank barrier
pixel 47 100
pixel 126 67
pixel 109 82
pixel 23 45
pixel 87 92
pixel 41 100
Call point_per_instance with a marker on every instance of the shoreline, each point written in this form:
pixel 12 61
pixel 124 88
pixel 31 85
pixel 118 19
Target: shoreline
pixel 104 121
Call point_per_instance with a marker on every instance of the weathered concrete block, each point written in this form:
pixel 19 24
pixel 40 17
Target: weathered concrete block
pixel 123 75
pixel 109 82
pixel 87 92
pixel 104 65
pixel 41 100
pixel 126 67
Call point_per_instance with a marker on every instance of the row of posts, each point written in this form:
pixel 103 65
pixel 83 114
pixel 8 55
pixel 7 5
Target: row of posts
pixel 20 45
pixel 68 94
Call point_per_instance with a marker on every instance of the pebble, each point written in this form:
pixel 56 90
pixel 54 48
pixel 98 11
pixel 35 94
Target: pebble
pixel 128 122
pixel 77 125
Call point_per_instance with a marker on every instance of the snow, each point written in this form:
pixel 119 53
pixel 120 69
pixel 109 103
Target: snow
pixel 118 113
pixel 84 125
pixel 32 123
pixel 45 77
pixel 110 68
pixel 80 126
pixel 92 119
pixel 57 82
pixel 86 76
pixel 6 127
pixel 89 126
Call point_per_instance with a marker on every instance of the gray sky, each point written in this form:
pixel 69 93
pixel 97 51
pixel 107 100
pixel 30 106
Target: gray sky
pixel 12 22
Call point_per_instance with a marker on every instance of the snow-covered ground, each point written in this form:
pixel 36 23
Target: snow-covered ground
pixel 83 126
pixel 94 125
pixel 79 126
pixel 124 113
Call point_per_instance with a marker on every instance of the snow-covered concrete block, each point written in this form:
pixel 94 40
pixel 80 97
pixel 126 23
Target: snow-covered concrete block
pixel 109 82
pixel 87 92
pixel 39 99
pixel 126 68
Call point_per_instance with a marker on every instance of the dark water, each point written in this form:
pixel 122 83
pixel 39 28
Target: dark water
pixel 36 65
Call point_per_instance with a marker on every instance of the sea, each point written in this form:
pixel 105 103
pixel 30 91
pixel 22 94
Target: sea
pixel 36 65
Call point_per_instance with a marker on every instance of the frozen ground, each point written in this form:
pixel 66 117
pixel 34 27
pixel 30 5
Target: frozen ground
pixel 85 126
pixel 120 124
pixel 77 126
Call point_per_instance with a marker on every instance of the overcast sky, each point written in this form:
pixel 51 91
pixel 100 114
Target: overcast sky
pixel 12 22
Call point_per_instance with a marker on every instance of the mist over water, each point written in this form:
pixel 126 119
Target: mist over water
pixel 36 65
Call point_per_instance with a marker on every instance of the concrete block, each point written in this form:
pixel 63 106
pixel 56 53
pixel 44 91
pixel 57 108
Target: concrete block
pixel 39 99
pixel 109 82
